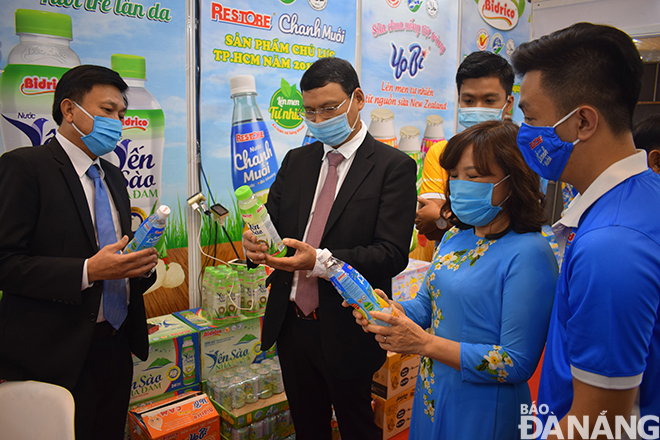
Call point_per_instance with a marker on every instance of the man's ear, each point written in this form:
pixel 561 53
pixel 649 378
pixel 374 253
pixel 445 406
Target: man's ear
pixel 654 160
pixel 358 97
pixel 588 122
pixel 66 106
pixel 508 107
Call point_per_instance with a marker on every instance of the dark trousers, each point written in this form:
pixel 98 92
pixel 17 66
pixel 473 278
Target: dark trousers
pixel 104 388
pixel 312 389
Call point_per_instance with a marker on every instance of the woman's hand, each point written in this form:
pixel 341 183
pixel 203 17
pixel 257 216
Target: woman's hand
pixel 402 336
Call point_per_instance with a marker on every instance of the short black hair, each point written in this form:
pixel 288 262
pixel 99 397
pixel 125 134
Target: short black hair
pixel 587 64
pixel 78 81
pixel 486 65
pixel 647 133
pixel 330 70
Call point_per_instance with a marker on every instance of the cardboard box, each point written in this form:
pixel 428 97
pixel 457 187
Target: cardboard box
pixel 154 399
pixel 252 412
pixel 236 342
pixel 406 285
pixel 190 415
pixel 173 361
pixel 398 374
pixel 393 415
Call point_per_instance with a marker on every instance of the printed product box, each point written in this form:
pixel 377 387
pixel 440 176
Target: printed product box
pixel 190 415
pixel 398 374
pixel 173 361
pixel 393 415
pixel 149 401
pixel 252 412
pixel 236 342
pixel 406 285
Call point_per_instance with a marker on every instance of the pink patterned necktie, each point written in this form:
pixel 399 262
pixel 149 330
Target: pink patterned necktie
pixel 307 293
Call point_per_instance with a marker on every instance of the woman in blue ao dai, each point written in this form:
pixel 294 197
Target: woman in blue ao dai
pixel 486 301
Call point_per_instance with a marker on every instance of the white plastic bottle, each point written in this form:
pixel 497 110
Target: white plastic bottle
pixel 27 85
pixel 409 144
pixel 355 289
pixel 256 216
pixel 149 231
pixel 382 126
pixel 433 133
pixel 139 155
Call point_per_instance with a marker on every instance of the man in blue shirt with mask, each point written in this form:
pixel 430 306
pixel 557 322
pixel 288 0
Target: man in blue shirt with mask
pixel 579 90
pixel 485 83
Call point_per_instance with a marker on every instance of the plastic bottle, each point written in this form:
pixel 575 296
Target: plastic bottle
pixel 250 299
pixel 309 138
pixel 256 216
pixel 219 296
pixel 233 292
pixel 355 289
pixel 149 231
pixel 27 85
pixel 433 132
pixel 188 361
pixel 140 152
pixel 262 292
pixel 382 126
pixel 409 144
pixel 253 157
pixel 207 297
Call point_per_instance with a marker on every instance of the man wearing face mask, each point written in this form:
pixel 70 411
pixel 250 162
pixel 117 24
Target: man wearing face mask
pixel 353 197
pixel 485 82
pixel 579 89
pixel 72 310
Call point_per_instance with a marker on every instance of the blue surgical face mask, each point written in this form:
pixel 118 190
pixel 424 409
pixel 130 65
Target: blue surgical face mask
pixel 542 149
pixel 469 116
pixel 104 136
pixel 472 201
pixel 335 130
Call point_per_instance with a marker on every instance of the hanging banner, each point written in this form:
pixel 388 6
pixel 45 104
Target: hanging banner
pixel 408 67
pixel 244 140
pixel 498 26
pixel 144 41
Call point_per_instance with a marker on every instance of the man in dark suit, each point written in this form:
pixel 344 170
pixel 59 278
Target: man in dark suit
pixel 366 221
pixel 54 318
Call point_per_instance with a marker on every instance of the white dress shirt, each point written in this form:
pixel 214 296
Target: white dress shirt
pixel 347 150
pixel 81 163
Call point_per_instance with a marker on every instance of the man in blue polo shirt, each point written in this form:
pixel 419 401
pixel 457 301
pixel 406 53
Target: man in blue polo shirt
pixel 579 90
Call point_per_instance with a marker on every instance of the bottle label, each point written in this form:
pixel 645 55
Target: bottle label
pixel 418 157
pixel 26 100
pixel 357 291
pixel 253 158
pixel 426 144
pixel 139 155
pixel 392 142
pixel 145 237
pixel 262 227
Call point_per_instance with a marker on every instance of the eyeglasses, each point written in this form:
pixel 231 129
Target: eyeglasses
pixel 324 113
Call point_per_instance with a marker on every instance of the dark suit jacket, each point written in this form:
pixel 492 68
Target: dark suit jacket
pixel 46 233
pixel 369 227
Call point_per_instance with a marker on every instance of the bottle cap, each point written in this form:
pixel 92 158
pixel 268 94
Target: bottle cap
pixel 242 84
pixel 243 192
pixel 382 115
pixel 129 66
pixel 434 129
pixel 409 141
pixel 163 212
pixel 324 256
pixel 29 21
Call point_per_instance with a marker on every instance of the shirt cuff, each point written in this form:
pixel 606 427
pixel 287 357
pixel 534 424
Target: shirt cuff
pixel 608 383
pixel 85 279
pixel 433 196
pixel 319 268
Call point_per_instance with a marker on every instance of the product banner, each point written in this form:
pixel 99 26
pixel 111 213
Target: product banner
pixel 264 48
pixel 144 41
pixel 409 52
pixel 498 26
